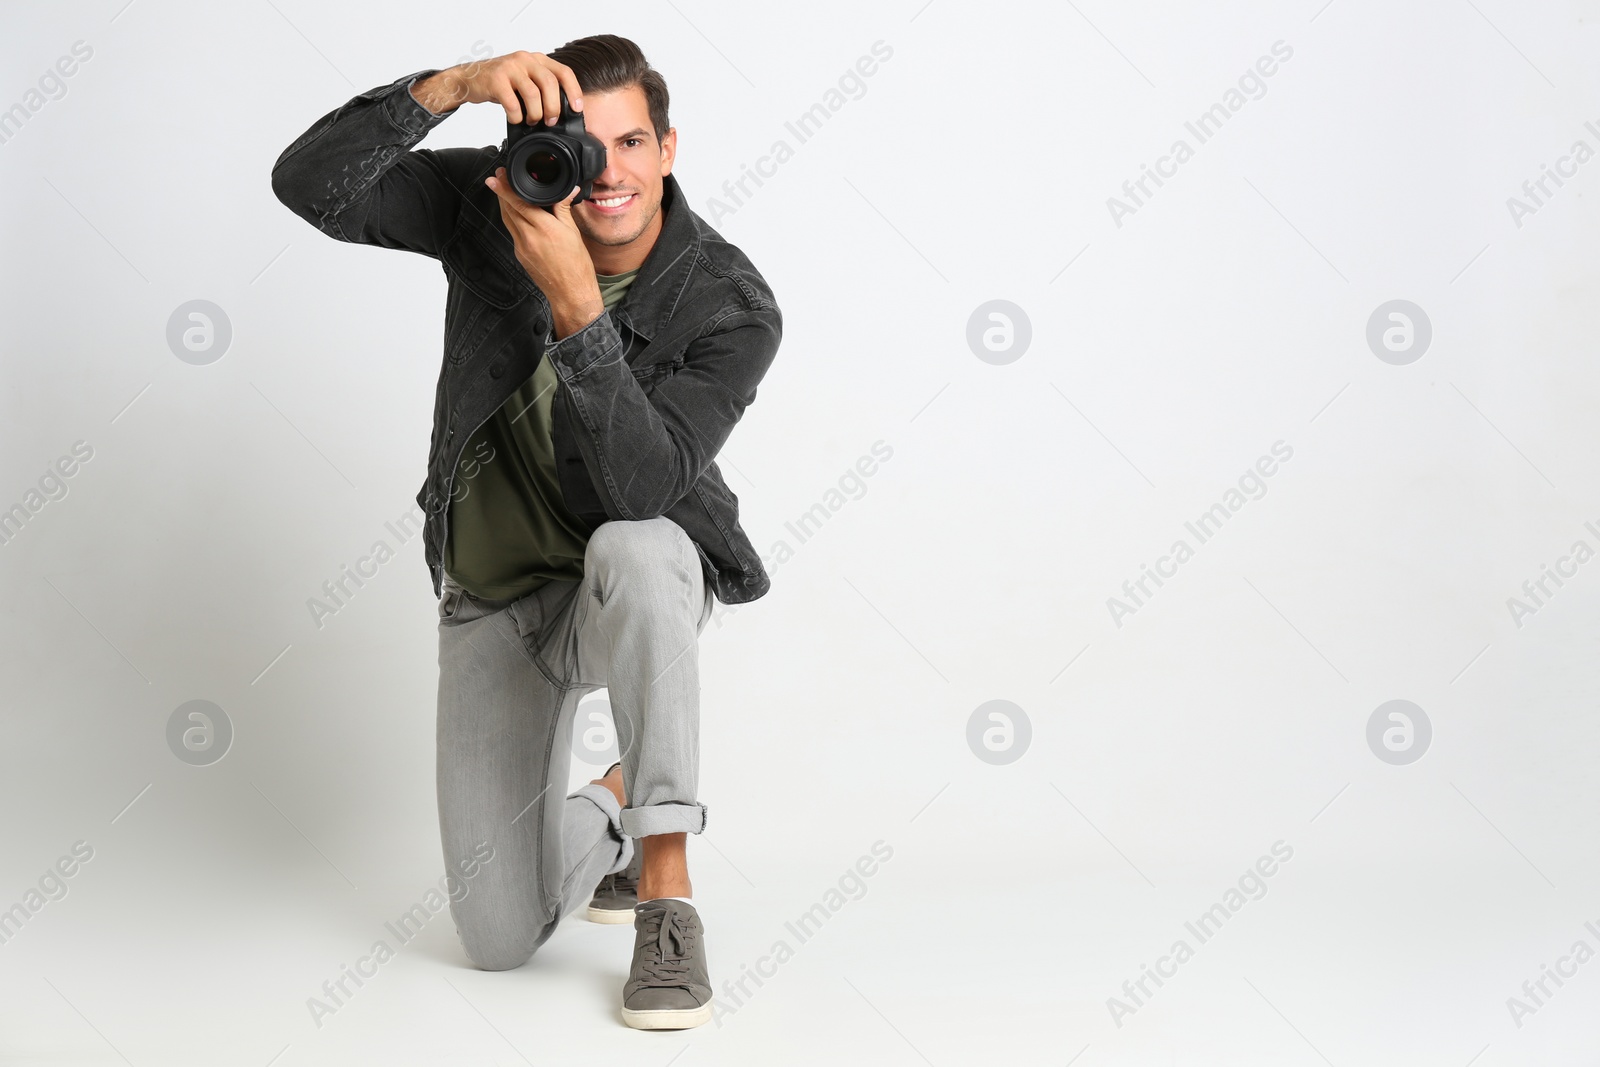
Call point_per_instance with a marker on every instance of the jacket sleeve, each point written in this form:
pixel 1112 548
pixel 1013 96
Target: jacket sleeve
pixel 355 176
pixel 644 453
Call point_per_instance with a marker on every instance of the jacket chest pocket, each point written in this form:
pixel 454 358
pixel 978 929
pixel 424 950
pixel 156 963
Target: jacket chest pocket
pixel 484 293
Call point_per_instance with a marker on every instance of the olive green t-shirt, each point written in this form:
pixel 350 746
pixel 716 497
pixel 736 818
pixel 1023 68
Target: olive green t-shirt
pixel 509 529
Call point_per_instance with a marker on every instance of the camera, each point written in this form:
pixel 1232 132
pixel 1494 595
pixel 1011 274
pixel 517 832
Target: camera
pixel 545 162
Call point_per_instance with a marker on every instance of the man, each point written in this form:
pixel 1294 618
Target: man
pixel 597 355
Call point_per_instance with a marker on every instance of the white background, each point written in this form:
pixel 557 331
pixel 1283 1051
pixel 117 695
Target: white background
pixel 1168 354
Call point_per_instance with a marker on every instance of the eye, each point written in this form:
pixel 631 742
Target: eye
pixel 633 140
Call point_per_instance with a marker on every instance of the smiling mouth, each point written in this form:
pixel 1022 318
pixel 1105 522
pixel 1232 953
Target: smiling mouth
pixel 613 203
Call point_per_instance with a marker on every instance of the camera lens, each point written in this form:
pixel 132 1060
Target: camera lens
pixel 544 166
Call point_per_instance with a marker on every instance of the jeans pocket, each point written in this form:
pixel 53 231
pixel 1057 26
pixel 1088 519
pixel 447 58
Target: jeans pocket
pixel 546 622
pixel 449 601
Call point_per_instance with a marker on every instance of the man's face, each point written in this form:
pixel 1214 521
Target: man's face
pixel 636 163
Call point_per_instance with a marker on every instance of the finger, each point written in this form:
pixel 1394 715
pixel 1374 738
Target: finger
pixel 523 86
pixel 569 81
pixel 510 202
pixel 547 104
pixel 507 96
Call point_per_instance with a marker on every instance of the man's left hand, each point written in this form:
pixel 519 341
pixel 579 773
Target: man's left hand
pixel 551 249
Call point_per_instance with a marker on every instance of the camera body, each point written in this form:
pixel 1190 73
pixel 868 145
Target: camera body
pixel 545 162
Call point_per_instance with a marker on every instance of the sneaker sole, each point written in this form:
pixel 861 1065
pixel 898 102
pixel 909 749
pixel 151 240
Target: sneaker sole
pixel 663 1019
pixel 610 915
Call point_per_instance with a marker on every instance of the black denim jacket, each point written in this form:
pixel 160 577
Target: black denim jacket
pixel 649 391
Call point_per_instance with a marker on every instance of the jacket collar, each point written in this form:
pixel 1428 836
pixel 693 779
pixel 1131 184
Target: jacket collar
pixel 650 300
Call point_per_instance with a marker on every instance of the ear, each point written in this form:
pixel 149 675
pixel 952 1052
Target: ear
pixel 669 150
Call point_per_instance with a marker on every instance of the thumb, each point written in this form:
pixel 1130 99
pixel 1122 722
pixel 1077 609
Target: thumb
pixel 563 208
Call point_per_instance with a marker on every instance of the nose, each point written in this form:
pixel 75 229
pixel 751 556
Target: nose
pixel 613 176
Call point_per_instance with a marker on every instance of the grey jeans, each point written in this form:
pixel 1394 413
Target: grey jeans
pixel 511 673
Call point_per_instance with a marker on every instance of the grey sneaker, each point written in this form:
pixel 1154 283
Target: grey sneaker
pixel 667 987
pixel 617 893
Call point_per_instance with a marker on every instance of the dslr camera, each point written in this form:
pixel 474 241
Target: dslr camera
pixel 545 162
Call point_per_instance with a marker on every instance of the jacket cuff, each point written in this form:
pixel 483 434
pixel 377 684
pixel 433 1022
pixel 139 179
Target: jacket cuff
pixel 408 116
pixel 574 354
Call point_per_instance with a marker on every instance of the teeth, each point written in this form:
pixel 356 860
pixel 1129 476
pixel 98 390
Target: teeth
pixel 614 201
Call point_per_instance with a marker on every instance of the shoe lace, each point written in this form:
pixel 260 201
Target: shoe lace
pixel 670 938
pixel 618 883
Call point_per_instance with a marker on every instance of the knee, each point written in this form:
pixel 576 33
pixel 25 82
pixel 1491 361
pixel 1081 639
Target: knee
pixel 628 546
pixel 499 952
pixel 492 960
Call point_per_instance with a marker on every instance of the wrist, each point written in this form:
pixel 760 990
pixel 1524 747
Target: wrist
pixel 568 317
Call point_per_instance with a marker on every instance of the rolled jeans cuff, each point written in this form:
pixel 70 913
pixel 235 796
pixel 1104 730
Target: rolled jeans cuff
pixel 606 801
pixel 668 818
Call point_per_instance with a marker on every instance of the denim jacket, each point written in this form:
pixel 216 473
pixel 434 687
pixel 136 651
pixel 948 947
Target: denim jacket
pixel 649 391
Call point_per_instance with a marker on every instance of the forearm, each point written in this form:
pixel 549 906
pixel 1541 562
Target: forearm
pixel 642 452
pixel 440 93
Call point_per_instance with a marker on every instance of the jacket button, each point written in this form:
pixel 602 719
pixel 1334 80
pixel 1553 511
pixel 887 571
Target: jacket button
pixel 497 370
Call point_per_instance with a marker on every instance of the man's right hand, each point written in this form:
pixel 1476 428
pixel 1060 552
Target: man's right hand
pixel 524 83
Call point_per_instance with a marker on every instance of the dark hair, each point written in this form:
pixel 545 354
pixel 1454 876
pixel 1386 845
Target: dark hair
pixel 605 63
